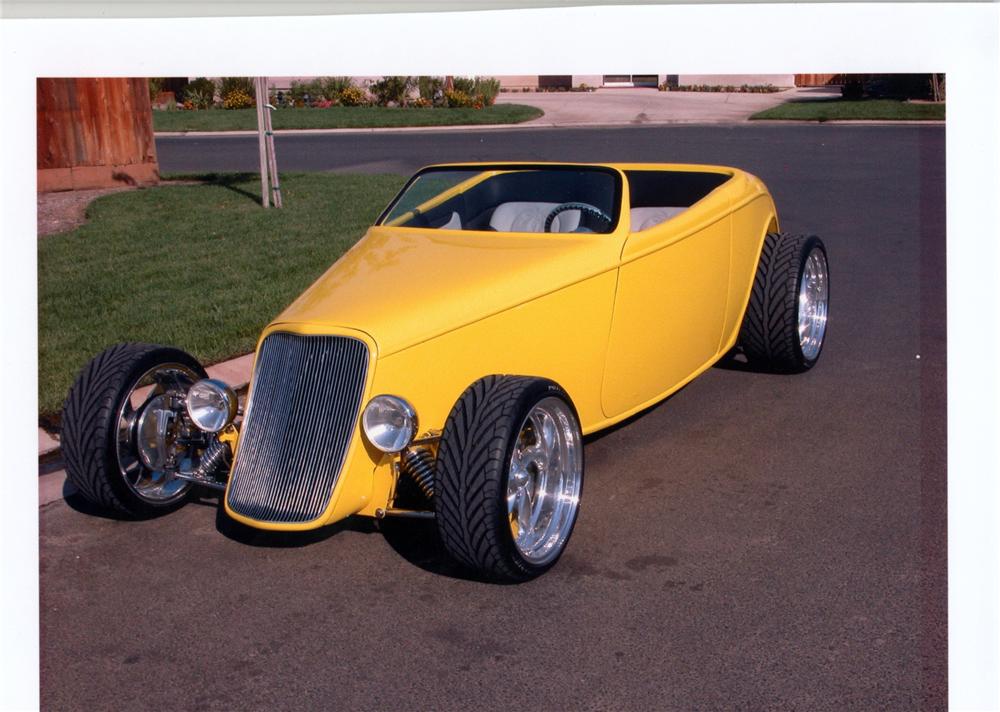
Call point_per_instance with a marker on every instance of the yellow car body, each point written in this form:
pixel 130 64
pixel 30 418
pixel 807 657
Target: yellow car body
pixel 619 320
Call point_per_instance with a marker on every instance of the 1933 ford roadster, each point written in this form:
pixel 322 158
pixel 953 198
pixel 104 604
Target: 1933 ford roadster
pixel 450 363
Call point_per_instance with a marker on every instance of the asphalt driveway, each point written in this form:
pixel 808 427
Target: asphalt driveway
pixel 754 542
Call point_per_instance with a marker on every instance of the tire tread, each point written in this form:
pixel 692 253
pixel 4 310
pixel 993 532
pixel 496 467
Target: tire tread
pixel 89 416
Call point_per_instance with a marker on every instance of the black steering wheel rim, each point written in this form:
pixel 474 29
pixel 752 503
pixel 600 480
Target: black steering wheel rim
pixel 585 208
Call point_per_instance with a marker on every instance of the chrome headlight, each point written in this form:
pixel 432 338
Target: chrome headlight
pixel 211 404
pixel 389 422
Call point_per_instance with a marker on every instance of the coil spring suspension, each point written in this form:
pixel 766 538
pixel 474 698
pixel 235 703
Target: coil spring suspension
pixel 418 465
pixel 215 456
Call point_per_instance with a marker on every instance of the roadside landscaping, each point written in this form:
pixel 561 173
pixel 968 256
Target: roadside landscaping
pixel 343 117
pixel 228 104
pixel 199 265
pixel 854 109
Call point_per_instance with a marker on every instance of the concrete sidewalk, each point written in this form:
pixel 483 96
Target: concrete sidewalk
pixel 648 106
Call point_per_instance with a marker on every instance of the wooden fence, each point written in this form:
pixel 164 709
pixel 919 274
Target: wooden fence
pixel 818 80
pixel 95 133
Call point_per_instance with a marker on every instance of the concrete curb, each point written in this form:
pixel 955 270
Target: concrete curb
pixel 539 125
pixel 852 122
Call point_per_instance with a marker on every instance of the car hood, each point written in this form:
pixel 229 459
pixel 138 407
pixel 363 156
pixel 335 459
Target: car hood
pixel 402 286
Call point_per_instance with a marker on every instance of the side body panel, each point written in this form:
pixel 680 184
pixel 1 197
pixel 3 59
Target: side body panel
pixel 754 216
pixel 670 307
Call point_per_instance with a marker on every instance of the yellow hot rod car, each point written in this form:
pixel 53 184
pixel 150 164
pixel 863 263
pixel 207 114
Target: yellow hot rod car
pixel 449 364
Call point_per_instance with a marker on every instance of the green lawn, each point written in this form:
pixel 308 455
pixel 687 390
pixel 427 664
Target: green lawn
pixel 844 109
pixel 341 117
pixel 203 267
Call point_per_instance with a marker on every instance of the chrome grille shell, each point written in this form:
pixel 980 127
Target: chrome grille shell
pixel 303 411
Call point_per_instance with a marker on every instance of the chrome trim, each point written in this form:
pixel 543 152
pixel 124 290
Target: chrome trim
pixel 164 385
pixel 228 395
pixel 301 416
pixel 544 481
pixel 814 296
pixel 408 410
pixel 382 513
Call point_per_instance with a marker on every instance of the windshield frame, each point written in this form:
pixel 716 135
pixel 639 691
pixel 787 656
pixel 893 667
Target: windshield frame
pixel 473 168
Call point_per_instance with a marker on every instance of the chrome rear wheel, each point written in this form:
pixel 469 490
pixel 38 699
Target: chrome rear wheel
pixel 814 294
pixel 786 319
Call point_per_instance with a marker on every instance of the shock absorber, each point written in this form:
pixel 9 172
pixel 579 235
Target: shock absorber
pixel 418 465
pixel 215 457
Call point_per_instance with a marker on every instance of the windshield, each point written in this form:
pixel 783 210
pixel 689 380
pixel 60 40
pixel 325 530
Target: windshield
pixel 534 199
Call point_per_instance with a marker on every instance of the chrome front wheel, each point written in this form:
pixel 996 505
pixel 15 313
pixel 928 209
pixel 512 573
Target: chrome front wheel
pixel 543 481
pixel 150 425
pixel 124 430
pixel 509 477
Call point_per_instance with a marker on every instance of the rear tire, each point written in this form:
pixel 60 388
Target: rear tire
pixel 98 428
pixel 509 477
pixel 784 327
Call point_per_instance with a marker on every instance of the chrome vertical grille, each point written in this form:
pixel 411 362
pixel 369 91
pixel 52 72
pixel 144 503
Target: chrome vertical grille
pixel 303 409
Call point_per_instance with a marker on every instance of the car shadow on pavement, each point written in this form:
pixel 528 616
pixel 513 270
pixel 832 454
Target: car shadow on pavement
pixel 77 502
pixel 265 538
pixel 736 361
pixel 417 541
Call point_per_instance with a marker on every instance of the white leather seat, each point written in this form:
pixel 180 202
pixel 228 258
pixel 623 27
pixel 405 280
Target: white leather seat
pixel 644 218
pixel 530 217
pixel 454 223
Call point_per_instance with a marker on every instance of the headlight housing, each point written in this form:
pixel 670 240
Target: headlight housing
pixel 211 405
pixel 389 422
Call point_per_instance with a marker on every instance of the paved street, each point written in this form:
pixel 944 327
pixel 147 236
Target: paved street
pixel 755 542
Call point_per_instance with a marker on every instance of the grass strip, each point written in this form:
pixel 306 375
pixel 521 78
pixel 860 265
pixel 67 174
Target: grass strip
pixel 341 117
pixel 846 110
pixel 201 266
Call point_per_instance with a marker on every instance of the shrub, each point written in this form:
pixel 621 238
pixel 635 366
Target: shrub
pixel 353 96
pixel 421 103
pixel 333 87
pixel 392 90
pixel 200 93
pixel 227 85
pixel 486 88
pixel 431 89
pixel 298 92
pixel 466 85
pixel 237 99
pixel 155 87
pixel 317 89
pixel 457 99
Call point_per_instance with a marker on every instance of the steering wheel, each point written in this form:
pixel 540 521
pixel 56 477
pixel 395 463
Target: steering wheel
pixel 585 208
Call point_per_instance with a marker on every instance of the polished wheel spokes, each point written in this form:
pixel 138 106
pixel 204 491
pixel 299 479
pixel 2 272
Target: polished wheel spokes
pixel 543 484
pixel 813 301
pixel 151 399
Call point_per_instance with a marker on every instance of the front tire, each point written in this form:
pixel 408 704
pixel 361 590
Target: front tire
pixel 100 427
pixel 784 327
pixel 509 477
